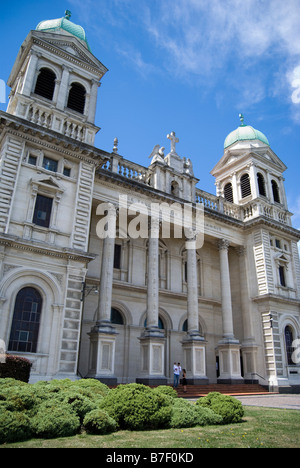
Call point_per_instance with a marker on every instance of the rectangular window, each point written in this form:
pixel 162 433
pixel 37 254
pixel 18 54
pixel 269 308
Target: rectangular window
pixel 50 164
pixel 117 257
pixel 282 276
pixel 67 171
pixel 32 160
pixel 42 211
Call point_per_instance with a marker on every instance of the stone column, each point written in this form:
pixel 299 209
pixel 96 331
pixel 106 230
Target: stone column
pixel 103 334
pixel 229 347
pixel 194 351
pixel 63 88
pixel 253 181
pixel 223 246
pixel 153 339
pixel 30 73
pixel 153 278
pixel 93 101
pixel 107 270
pixel 192 288
pixel 249 347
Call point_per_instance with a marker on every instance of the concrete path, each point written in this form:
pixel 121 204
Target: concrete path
pixel 272 401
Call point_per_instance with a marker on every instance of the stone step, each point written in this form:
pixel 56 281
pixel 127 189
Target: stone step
pixel 196 391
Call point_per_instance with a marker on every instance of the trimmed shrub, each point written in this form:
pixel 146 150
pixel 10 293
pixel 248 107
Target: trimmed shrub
pixel 186 414
pixel 167 391
pixel 226 406
pixel 137 407
pixel 80 404
pixel 55 421
pixel 99 422
pixel 92 386
pixel 8 382
pixel 15 367
pixel 14 426
pixel 207 417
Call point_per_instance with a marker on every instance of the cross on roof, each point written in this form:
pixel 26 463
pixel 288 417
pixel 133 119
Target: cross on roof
pixel 174 140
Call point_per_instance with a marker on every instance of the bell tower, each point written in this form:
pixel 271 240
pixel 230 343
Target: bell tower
pixel 54 82
pixel 250 174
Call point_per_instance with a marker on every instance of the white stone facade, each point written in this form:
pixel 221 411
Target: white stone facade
pixel 226 310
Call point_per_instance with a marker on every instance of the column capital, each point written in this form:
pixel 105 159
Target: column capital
pixel 241 250
pixel 223 244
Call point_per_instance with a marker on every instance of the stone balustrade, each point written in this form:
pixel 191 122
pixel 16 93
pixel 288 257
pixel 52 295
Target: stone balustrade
pixel 253 209
pixel 50 118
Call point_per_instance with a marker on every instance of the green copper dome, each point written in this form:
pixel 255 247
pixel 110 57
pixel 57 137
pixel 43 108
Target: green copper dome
pixel 245 133
pixel 66 25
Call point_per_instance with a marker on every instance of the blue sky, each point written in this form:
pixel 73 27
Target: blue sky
pixel 189 66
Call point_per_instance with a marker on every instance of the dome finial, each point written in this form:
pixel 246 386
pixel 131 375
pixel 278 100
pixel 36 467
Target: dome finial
pixel 68 14
pixel 242 120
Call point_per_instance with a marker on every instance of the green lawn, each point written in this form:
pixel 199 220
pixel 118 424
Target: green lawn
pixel 261 428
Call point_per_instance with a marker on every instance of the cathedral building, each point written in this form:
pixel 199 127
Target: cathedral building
pixel 113 270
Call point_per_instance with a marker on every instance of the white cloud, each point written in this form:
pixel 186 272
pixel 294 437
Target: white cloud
pixel 239 38
pixel 233 42
pixel 191 29
pixel 294 79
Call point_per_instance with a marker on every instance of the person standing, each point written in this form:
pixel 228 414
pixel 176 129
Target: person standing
pixel 184 381
pixel 176 372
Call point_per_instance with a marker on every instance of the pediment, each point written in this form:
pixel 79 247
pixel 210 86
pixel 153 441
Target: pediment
pixel 281 258
pixel 235 157
pixel 71 46
pixel 49 182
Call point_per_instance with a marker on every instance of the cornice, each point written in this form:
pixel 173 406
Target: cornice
pixel 264 221
pixel 273 299
pixel 48 250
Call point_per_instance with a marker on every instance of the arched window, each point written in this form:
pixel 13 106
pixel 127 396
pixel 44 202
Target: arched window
pixel 160 324
pixel 275 190
pixel 175 188
pixel 228 193
pixel 45 83
pixel 76 100
pixel 261 184
pixel 185 327
pixel 26 321
pixel 288 335
pixel 116 317
pixel 245 185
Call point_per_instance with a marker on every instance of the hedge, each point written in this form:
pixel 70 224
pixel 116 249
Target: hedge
pixel 15 367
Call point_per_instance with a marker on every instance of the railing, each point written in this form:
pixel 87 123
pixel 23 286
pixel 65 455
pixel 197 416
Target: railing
pixel 218 204
pixel 126 168
pixel 52 119
pixel 118 165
